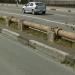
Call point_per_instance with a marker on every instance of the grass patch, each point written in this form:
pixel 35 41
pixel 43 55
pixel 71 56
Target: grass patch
pixel 37 34
pixel 2 21
pixel 73 45
pixel 64 42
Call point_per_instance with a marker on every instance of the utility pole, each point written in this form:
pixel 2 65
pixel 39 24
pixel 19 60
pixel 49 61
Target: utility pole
pixel 17 2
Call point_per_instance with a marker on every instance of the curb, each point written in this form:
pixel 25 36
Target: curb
pixel 57 54
pixel 10 34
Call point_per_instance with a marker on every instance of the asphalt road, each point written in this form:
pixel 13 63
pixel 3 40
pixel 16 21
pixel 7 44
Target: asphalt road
pixel 51 15
pixel 52 18
pixel 17 59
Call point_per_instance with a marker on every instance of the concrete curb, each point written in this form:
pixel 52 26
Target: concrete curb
pixel 10 34
pixel 60 55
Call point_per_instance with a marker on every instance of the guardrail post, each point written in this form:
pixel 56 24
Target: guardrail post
pixel 7 22
pixel 24 26
pixel 51 36
pixel 20 26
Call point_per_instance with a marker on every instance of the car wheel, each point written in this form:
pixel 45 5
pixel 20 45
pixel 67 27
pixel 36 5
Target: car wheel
pixel 33 12
pixel 44 12
pixel 23 11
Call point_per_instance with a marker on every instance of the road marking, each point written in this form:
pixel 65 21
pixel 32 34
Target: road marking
pixel 64 15
pixel 60 15
pixel 36 18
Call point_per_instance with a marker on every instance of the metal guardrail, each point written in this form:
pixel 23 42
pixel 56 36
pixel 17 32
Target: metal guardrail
pixel 57 31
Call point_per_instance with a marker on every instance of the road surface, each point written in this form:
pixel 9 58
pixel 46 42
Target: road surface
pixel 17 59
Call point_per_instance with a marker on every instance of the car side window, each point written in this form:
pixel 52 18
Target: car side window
pixel 28 4
pixel 31 4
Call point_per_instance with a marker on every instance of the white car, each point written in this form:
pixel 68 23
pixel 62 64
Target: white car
pixel 34 7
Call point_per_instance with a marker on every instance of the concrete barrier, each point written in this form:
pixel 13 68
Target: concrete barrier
pixel 10 34
pixel 70 60
pixel 23 40
pixel 59 55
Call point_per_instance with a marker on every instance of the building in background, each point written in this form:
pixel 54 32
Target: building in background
pixel 70 3
pixel 58 2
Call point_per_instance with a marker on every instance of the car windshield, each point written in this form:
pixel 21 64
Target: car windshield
pixel 39 4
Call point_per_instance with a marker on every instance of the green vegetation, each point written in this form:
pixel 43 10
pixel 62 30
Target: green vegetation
pixel 64 42
pixel 73 45
pixel 37 34
pixel 2 21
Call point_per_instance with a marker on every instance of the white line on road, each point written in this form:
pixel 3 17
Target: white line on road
pixel 60 15
pixel 36 18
